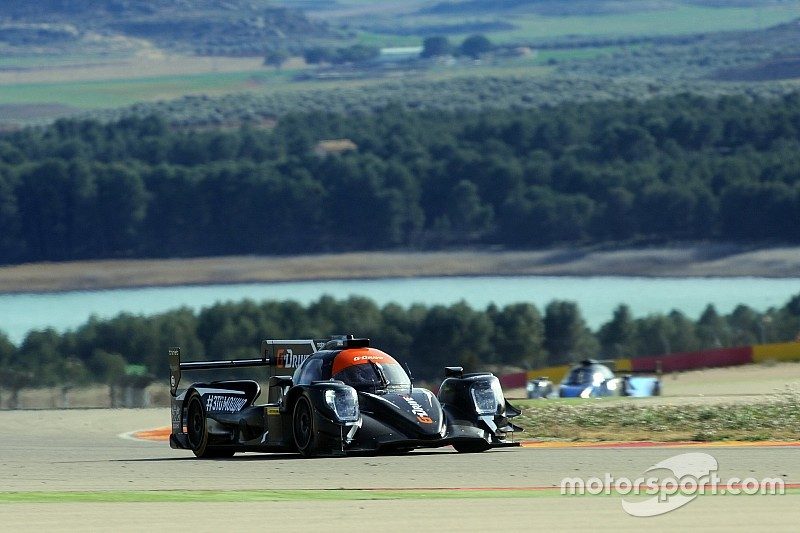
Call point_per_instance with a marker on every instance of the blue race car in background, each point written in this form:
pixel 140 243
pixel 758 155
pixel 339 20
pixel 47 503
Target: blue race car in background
pixel 592 379
pixel 540 387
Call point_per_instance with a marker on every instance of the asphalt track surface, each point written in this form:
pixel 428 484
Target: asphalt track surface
pixel 58 453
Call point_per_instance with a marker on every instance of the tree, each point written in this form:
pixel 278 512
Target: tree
pixel 15 379
pixel 110 369
pixel 615 220
pixel 358 53
pixel 72 372
pixel 712 331
pixel 518 335
pixel 566 337
pixel 7 354
pixel 7 350
pixel 617 337
pixel 629 142
pixel 666 210
pixel 11 243
pixel 450 336
pixel 436 46
pixel 793 305
pixel 684 337
pixel 745 326
pixel 475 46
pixel 121 209
pixel 276 57
pixel 759 211
pixel 316 55
pixel 43 196
pixel 42 353
pixel 469 219
pixel 653 335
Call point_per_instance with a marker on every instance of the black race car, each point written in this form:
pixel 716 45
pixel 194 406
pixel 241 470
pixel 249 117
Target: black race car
pixel 344 397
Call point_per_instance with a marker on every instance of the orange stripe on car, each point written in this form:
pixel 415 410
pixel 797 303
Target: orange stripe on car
pixel 360 356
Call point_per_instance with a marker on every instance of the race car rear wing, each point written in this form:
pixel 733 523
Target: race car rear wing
pixel 278 355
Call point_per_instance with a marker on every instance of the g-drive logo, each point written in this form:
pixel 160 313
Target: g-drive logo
pixel 692 475
pixel 286 358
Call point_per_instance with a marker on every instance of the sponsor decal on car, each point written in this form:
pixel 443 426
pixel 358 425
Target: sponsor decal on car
pixel 365 358
pixel 285 358
pixel 229 404
pixel 177 415
pixel 417 409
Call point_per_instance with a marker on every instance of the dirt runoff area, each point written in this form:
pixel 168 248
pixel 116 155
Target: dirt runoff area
pixel 687 261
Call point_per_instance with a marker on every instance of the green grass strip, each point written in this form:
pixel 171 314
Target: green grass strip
pixel 187 496
pixel 245 496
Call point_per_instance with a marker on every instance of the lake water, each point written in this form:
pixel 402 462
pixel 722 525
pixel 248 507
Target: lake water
pixel 596 296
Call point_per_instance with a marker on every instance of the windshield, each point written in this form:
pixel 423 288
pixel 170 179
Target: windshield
pixel 585 375
pixel 374 375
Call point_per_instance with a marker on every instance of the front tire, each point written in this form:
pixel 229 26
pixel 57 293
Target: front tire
pixel 305 434
pixel 472 446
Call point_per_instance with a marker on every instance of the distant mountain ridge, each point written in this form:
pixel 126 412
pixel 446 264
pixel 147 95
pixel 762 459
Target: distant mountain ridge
pixel 211 27
pixel 48 9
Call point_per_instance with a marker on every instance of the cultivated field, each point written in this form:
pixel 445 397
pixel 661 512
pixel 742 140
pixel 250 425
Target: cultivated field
pixel 666 18
pixel 696 261
pixel 142 72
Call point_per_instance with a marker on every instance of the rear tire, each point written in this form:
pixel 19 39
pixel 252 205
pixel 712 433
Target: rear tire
pixel 196 426
pixel 305 435
pixel 220 453
pixel 197 431
pixel 472 447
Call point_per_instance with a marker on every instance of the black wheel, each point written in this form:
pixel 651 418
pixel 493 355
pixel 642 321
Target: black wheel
pixel 657 389
pixel 220 453
pixel 196 427
pixel 305 437
pixel 197 431
pixel 472 446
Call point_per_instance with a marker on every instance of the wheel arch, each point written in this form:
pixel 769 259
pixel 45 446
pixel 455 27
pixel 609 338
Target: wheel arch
pixel 292 396
pixel 190 392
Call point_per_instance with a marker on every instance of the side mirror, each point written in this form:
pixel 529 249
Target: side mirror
pixel 280 381
pixel 278 386
pixel 454 371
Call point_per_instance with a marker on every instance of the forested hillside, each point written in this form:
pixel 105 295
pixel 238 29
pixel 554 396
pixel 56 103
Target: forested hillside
pixel 669 169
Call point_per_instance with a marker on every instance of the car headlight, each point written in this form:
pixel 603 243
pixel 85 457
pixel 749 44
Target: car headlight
pixel 488 396
pixel 344 403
